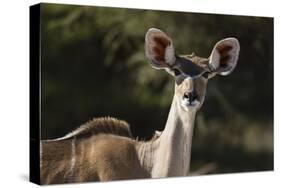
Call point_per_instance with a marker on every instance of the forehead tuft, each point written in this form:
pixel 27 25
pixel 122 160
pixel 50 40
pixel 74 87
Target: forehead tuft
pixel 197 60
pixel 192 65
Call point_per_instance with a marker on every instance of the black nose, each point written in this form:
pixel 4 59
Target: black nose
pixel 190 96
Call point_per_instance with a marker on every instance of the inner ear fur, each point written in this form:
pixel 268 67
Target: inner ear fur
pixel 224 56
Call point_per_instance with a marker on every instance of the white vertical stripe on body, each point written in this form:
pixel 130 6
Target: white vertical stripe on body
pixel 73 156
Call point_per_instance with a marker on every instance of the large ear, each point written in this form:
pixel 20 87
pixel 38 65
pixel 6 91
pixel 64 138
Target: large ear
pixel 224 56
pixel 159 49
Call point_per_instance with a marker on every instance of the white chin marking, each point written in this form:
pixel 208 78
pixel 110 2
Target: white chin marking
pixel 187 106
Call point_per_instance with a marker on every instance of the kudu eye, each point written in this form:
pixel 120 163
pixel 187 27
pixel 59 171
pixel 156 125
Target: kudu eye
pixel 177 72
pixel 206 74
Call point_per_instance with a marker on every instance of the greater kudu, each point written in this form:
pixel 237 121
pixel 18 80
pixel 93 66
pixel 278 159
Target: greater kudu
pixel 103 149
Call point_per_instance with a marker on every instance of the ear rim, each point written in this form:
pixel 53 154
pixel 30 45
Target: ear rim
pixel 169 57
pixel 214 59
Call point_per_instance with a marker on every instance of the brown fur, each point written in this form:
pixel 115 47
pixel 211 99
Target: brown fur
pixel 200 61
pixel 103 125
pixel 113 166
pixel 96 159
pixel 55 160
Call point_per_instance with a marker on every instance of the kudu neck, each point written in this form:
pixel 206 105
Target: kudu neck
pixel 178 120
pixel 172 157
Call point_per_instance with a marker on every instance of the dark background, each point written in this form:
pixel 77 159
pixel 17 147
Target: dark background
pixel 93 65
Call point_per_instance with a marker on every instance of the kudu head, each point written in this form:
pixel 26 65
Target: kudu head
pixel 191 72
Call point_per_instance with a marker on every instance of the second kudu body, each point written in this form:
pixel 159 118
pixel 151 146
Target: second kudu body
pixel 103 149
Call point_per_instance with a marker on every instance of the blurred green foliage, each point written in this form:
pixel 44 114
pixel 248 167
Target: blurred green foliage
pixel 93 65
